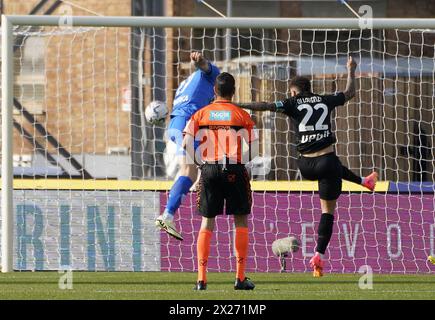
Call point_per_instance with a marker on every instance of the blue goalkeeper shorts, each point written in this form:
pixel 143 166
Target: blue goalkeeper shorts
pixel 175 132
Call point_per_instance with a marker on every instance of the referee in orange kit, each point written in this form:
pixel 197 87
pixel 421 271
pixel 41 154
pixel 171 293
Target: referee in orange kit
pixel 221 129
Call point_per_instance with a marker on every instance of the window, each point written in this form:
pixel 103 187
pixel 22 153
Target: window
pixel 29 86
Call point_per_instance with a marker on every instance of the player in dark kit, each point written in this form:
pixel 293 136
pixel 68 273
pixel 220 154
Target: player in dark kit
pixel 317 161
pixel 221 128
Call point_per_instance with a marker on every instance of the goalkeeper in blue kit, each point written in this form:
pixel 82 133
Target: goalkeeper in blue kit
pixel 193 93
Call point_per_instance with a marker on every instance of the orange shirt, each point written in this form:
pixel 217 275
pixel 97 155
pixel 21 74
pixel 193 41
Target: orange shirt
pixel 221 128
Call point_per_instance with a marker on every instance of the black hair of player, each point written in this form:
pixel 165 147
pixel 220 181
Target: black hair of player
pixel 225 85
pixel 302 84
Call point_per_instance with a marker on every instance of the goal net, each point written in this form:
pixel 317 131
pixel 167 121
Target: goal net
pixel 91 175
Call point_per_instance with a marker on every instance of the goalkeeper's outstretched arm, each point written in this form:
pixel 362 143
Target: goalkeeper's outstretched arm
pixel 199 61
pixel 349 92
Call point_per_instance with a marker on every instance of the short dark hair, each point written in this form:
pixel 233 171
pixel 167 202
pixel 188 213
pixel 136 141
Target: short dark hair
pixel 303 84
pixel 225 85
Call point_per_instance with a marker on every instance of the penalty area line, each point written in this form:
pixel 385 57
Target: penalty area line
pixel 274 292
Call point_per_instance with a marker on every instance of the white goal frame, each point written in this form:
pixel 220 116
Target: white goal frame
pixel 8 22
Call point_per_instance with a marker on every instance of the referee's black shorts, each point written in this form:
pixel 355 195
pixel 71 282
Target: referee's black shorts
pixel 327 169
pixel 221 184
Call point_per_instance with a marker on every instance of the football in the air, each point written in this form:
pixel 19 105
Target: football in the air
pixel 284 246
pixel 156 112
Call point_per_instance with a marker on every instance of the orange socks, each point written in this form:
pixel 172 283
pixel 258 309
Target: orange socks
pixel 241 251
pixel 203 251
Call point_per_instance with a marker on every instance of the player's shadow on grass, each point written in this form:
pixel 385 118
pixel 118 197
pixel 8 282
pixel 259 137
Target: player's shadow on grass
pixel 325 281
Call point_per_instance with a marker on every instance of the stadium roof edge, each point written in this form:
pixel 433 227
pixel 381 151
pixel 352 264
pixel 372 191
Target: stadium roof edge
pixel 164 185
pixel 213 22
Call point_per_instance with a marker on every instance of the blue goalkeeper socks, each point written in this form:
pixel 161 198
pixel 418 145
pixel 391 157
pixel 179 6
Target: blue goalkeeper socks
pixel 180 188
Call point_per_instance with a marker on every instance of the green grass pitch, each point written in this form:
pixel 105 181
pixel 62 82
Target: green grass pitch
pixel 166 285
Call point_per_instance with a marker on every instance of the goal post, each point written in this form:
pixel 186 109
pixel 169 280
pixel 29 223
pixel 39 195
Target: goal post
pixel 274 212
